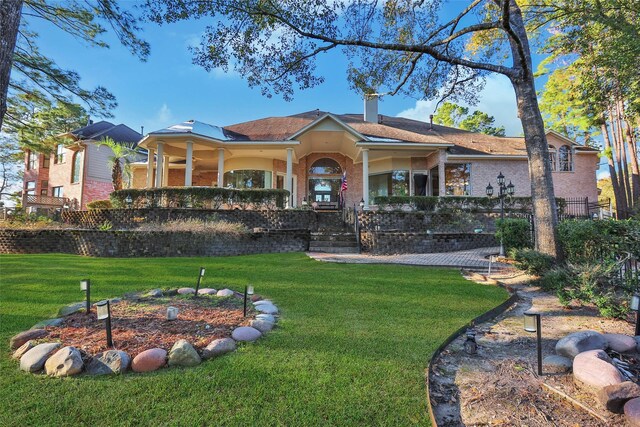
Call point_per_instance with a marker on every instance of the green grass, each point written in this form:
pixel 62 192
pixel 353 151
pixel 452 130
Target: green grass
pixel 351 347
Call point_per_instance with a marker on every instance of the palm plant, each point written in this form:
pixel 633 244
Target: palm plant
pixel 119 161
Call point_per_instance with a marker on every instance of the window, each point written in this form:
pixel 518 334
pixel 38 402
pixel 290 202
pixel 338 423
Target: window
pixel 44 192
pixel 420 183
pixel 59 154
pixel 394 183
pixel 248 179
pixel 45 160
pixel 553 158
pixel 325 167
pixel 57 192
pixel 77 167
pixel 456 179
pixel 32 160
pixel 30 187
pixel 565 162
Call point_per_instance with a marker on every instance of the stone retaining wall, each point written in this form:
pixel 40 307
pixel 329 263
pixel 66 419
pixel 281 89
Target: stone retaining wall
pixel 385 243
pixel 131 243
pixel 458 221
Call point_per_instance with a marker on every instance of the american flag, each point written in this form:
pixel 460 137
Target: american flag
pixel 343 187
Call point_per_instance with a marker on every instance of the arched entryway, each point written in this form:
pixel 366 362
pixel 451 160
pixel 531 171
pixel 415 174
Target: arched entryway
pixel 325 179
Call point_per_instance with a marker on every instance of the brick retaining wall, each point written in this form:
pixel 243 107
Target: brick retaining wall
pixel 385 243
pixel 423 221
pixel 132 243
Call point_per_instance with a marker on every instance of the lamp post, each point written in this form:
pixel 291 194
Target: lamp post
pixel 635 306
pixel 200 276
pixel 248 292
pixel 128 200
pixel 85 285
pixel 104 313
pixel 532 324
pixel 503 191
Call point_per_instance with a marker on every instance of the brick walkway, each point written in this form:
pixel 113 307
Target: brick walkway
pixel 472 259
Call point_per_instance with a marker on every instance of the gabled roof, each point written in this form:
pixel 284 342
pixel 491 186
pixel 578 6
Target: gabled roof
pixel 103 129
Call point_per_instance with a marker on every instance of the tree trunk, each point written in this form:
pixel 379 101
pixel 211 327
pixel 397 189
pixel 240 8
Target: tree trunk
pixel 116 175
pixel 612 169
pixel 635 169
pixel 10 12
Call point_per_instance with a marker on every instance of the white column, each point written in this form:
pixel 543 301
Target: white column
pixel 365 177
pixel 159 164
pixel 220 167
pixel 442 158
pixel 188 170
pixel 150 164
pixel 165 171
pixel 289 178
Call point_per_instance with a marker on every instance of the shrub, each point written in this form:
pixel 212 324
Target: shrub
pixel 99 204
pixel 473 204
pixel 533 262
pixel 599 241
pixel 515 233
pixel 105 226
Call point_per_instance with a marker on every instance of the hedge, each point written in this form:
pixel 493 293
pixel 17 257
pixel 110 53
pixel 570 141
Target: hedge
pixel 99 204
pixel 433 203
pixel 200 197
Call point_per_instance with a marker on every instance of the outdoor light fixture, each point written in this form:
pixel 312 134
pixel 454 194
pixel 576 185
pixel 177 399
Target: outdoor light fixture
pixel 104 313
pixel 489 190
pixel 501 179
pixel 511 189
pixel 85 285
pixel 248 291
pixel 172 313
pixel 362 203
pixel 532 324
pixel 635 306
pixel 503 191
pixel 470 345
pixel 200 276
pixel 128 200
pixel 304 201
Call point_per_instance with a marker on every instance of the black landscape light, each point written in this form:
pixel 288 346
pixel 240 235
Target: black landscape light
pixel 104 313
pixel 248 293
pixel 172 313
pixel 200 276
pixel 635 306
pixel 85 285
pixel 532 324
pixel 362 203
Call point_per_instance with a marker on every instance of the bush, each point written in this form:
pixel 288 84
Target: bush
pixel 467 203
pixel 533 262
pixel 599 241
pixel 99 204
pixel 515 233
pixel 197 226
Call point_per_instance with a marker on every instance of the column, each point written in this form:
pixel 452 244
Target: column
pixel 188 170
pixel 159 164
pixel 165 171
pixel 220 167
pixel 150 164
pixel 288 183
pixel 365 177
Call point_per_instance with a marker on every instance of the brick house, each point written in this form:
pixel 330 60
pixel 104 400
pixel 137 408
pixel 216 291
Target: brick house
pixel 77 172
pixel 310 152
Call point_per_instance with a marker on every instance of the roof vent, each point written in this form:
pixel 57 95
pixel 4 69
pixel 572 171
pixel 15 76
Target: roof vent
pixel 380 117
pixel 371 108
pixel 430 121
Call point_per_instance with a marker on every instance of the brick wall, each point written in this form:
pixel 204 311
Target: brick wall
pixel 384 243
pixel 465 222
pixel 95 190
pixel 149 244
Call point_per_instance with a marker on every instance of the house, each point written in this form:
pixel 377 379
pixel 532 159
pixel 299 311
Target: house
pixel 77 172
pixel 309 153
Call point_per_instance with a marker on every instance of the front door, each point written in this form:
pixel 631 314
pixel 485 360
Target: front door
pixel 325 192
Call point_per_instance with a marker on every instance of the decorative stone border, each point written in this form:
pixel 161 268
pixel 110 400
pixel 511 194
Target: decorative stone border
pixel 58 361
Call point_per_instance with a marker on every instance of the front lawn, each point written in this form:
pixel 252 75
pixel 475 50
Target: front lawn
pixel 351 347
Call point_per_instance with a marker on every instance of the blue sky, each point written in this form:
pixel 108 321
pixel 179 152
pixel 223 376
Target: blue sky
pixel 168 88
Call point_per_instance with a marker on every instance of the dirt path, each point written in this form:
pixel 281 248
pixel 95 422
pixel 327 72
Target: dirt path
pixel 499 385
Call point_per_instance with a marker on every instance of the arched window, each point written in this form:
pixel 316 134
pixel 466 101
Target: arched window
pixel 565 162
pixel 76 167
pixel 325 167
pixel 553 158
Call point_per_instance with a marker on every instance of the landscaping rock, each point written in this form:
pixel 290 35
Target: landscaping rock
pixel 186 291
pixel 556 364
pixel 245 333
pixel 267 308
pixel 23 349
pixel 114 300
pixel 576 343
pixel 53 323
pixel 632 412
pixel 262 325
pixel 63 363
pixel 218 347
pixel 256 298
pixel 183 354
pixel 266 317
pixel 108 362
pixel 621 343
pixel 149 360
pixel 154 293
pixel 207 291
pixel 33 360
pixel 262 301
pixel 613 397
pixel 72 308
pixel 593 370
pixel 225 293
pixel 23 337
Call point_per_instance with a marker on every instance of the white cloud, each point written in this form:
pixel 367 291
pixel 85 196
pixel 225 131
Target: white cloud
pixel 162 119
pixel 603 174
pixel 496 99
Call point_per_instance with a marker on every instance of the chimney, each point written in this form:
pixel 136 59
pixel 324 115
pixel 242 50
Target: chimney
pixel 141 130
pixel 430 121
pixel 371 108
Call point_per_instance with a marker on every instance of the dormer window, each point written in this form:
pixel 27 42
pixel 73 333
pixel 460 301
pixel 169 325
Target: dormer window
pixel 565 159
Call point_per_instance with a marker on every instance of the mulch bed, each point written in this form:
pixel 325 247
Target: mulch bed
pixel 141 325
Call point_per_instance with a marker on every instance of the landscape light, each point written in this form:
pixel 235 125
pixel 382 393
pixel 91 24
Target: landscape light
pixel 104 313
pixel 200 276
pixel 85 285
pixel 128 200
pixel 532 324
pixel 304 201
pixel 635 306
pixel 501 179
pixel 511 189
pixel 362 203
pixel 248 290
pixel 489 190
pixel 172 313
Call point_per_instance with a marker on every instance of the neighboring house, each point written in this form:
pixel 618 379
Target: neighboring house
pixel 308 153
pixel 77 172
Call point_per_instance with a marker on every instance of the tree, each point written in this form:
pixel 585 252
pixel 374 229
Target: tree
pixel 454 115
pixel 11 158
pixel 37 75
pixel 398 45
pixel 119 161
